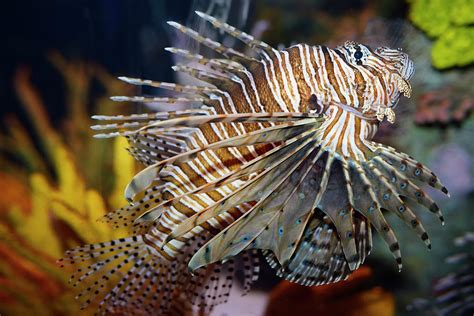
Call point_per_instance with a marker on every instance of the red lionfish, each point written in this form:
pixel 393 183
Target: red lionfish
pixel 278 159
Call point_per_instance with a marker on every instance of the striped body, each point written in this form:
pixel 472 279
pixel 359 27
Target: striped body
pixel 284 81
pixel 280 82
pixel 279 158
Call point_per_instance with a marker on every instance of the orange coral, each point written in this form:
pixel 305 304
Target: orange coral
pixel 352 297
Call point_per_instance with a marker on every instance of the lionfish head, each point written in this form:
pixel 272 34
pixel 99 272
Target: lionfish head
pixel 392 66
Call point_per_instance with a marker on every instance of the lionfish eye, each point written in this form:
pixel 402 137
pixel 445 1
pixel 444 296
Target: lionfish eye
pixel 358 54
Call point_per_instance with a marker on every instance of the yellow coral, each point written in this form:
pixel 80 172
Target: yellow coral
pixel 454 48
pixel 62 206
pixel 462 12
pixel 449 22
pixel 432 16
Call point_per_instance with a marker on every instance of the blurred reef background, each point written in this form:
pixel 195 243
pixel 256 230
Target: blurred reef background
pixel 58 64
